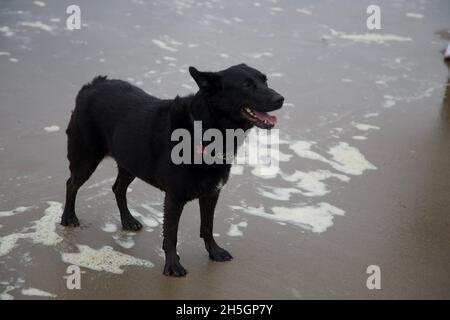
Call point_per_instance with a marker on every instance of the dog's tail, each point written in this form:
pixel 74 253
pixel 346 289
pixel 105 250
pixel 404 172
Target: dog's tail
pixel 83 100
pixel 82 134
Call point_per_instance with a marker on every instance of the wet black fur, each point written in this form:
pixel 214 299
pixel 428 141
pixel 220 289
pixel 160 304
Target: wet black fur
pixel 114 118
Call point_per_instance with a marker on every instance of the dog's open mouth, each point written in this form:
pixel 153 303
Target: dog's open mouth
pixel 260 119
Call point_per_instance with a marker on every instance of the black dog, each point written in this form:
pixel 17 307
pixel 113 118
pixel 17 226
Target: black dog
pixel 114 118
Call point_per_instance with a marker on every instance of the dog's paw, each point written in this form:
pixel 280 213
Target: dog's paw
pixel 131 225
pixel 174 269
pixel 70 221
pixel 220 254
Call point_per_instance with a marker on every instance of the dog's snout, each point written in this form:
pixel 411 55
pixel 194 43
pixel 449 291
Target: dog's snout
pixel 277 100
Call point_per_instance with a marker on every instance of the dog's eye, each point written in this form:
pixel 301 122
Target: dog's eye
pixel 247 83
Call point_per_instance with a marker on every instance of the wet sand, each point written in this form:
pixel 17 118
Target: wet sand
pixel 365 130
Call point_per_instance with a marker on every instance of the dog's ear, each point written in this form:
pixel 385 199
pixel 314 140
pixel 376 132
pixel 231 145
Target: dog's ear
pixel 207 81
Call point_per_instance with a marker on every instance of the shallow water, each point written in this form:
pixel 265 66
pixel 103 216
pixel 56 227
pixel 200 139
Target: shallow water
pixel 364 142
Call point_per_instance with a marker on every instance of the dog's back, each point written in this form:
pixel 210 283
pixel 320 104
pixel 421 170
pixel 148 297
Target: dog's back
pixel 115 118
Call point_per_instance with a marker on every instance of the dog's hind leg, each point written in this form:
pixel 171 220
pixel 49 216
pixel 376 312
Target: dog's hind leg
pixel 83 160
pixel 207 207
pixel 172 213
pixel 80 171
pixel 120 190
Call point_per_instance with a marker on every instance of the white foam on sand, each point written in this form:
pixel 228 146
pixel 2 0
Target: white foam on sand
pixel 147 220
pixel 304 11
pixel 359 138
pixel 265 172
pixel 109 227
pixel 7 32
pixel 167 58
pixel 4 53
pixel 37 25
pixel 98 194
pixel 349 159
pixel 156 214
pixel 209 17
pixel 5 295
pixel 10 287
pixel 237 169
pixel 303 149
pixel 37 292
pixel 7 243
pixel 311 183
pixel 371 114
pixel 276 193
pixel 414 15
pixel 274 10
pixel 103 259
pixel 364 127
pixel 275 75
pixel 39 3
pixel 15 211
pixel 278 9
pixel 388 102
pixel 258 55
pixel 368 37
pixel 124 240
pixel 345 158
pixel 384 80
pixel 163 45
pixel 44 230
pixel 101 183
pixel 52 128
pixel 234 230
pixel 391 101
pixel 317 218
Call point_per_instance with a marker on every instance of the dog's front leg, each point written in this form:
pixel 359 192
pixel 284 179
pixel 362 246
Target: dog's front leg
pixel 172 213
pixel 207 207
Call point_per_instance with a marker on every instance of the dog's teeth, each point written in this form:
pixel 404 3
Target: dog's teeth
pixel 249 111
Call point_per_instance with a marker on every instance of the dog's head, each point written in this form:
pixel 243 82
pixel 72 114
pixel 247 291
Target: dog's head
pixel 241 94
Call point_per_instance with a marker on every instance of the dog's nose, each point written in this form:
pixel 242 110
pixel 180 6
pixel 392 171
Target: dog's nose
pixel 277 100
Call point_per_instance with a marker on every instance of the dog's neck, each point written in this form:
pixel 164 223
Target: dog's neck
pixel 201 109
pixel 185 110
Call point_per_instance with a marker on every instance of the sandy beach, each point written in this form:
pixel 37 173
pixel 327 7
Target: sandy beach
pixel 364 173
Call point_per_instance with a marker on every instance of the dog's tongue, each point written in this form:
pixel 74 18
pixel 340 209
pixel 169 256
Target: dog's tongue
pixel 264 116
